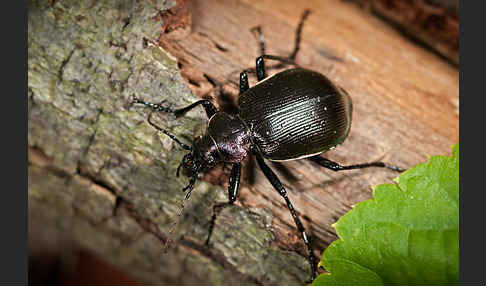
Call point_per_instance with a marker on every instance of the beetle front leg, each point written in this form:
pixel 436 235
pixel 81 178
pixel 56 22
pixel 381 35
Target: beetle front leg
pixel 207 105
pixel 234 183
pixel 336 167
pixel 281 190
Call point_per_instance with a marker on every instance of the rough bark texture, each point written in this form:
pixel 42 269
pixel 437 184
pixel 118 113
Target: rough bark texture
pixel 101 180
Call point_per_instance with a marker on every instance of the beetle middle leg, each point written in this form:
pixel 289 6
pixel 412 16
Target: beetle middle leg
pixel 272 177
pixel 234 183
pixel 326 163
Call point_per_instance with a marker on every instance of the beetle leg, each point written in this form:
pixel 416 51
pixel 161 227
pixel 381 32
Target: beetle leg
pixel 336 167
pixel 244 85
pixel 208 107
pixel 298 35
pixel 260 64
pixel 260 68
pixel 153 106
pixel 281 190
pixel 234 183
pixel 283 60
pixel 261 39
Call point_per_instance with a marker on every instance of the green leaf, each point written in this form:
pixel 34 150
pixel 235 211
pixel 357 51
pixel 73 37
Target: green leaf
pixel 408 234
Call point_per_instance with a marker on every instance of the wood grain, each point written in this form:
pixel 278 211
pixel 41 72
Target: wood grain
pixel 435 24
pixel 102 180
pixel 405 97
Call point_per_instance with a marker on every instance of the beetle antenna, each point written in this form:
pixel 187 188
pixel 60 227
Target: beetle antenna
pixel 183 146
pixel 153 106
pixel 189 187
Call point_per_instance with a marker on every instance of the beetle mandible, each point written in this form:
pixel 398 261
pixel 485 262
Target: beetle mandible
pixel 294 114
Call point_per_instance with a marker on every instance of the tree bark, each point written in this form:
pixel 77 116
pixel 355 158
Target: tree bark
pixel 102 180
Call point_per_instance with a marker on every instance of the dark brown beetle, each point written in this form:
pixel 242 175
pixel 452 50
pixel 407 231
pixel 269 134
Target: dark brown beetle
pixel 294 114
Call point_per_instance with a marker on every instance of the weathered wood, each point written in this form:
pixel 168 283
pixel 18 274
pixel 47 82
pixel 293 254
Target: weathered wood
pixel 435 23
pixel 101 179
pixel 405 98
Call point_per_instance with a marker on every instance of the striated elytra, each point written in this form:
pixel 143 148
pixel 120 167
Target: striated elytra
pixel 295 114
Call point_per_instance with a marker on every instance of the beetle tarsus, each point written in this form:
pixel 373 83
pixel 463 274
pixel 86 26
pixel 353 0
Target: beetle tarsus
pixel 326 163
pixel 217 208
pixel 395 168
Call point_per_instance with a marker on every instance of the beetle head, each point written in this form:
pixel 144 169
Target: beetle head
pixel 204 155
pixel 190 167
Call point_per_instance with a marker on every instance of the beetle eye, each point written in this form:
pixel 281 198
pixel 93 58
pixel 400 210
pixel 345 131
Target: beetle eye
pixel 188 164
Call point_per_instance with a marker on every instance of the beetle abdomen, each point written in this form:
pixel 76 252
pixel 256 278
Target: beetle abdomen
pixel 296 113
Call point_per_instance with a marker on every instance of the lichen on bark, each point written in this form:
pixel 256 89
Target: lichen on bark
pixel 106 179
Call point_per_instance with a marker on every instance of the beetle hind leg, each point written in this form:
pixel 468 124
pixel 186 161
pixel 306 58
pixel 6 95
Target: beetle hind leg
pixel 272 177
pixel 298 34
pixel 337 167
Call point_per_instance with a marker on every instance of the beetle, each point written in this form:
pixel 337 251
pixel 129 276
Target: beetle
pixel 294 114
